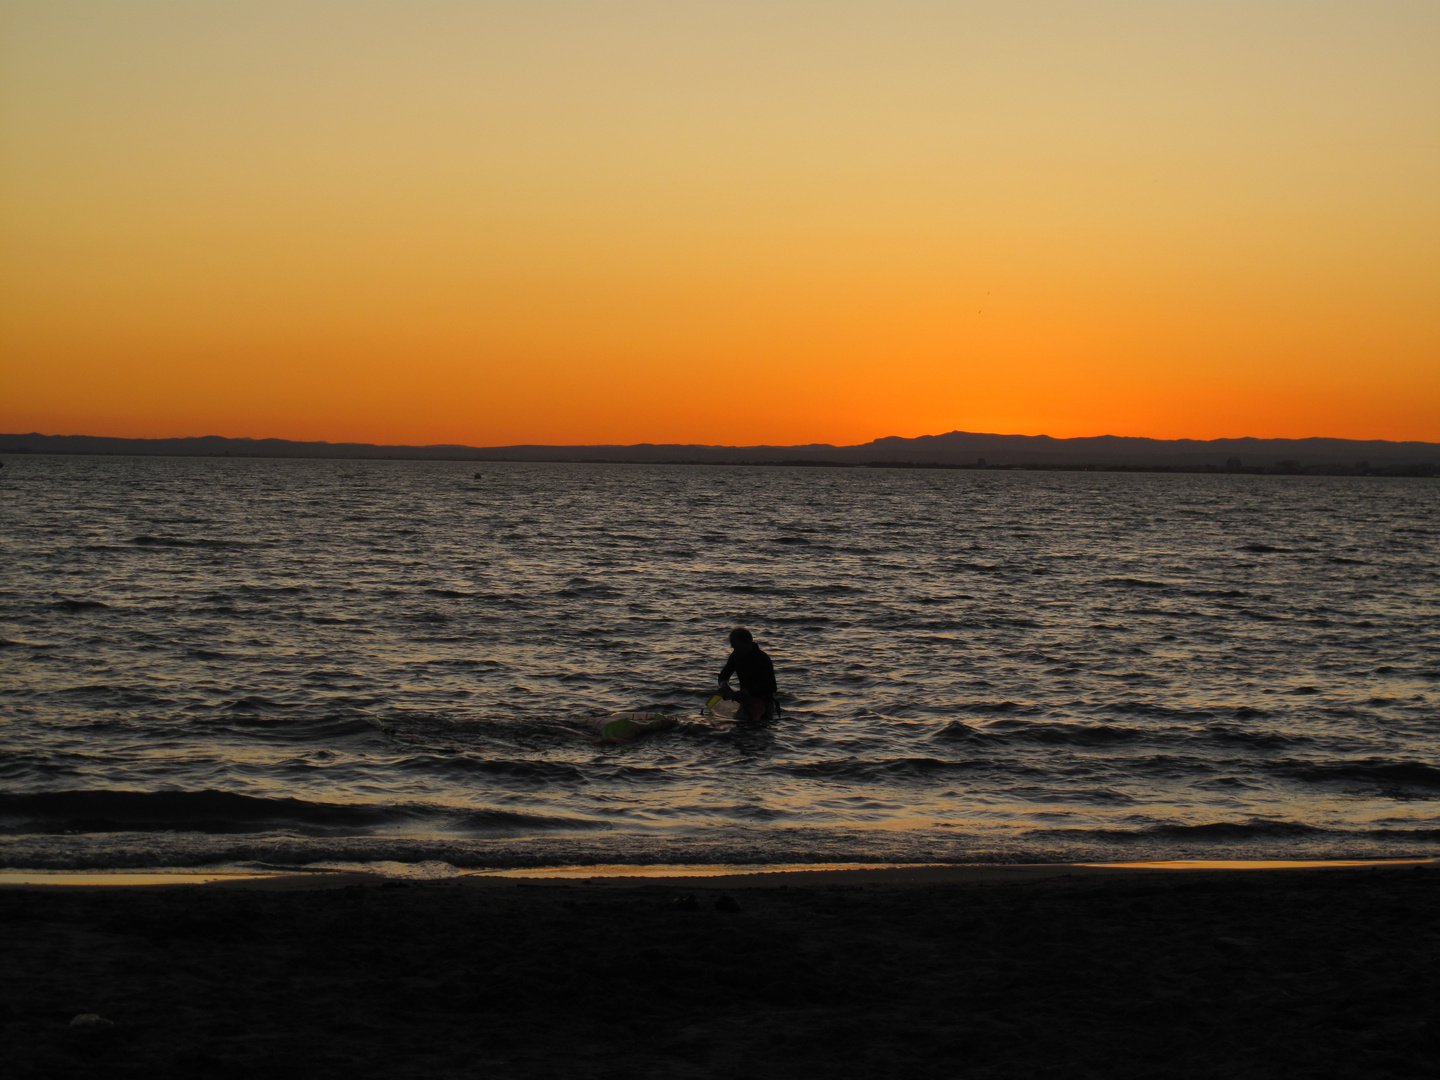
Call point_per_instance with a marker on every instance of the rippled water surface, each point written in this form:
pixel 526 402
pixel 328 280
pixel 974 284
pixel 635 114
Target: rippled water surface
pixel 235 661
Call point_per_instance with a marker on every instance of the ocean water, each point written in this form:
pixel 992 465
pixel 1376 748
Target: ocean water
pixel 216 662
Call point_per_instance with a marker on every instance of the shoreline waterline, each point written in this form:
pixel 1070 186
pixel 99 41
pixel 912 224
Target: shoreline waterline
pixel 796 873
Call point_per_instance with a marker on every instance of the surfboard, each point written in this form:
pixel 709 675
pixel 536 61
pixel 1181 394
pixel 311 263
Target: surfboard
pixel 717 708
pixel 596 724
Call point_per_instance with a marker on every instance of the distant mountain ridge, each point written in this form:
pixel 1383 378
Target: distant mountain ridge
pixel 955 449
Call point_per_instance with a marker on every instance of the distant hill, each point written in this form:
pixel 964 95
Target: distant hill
pixel 957 449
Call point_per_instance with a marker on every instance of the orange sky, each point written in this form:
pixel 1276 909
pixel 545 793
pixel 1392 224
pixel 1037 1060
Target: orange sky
pixel 592 221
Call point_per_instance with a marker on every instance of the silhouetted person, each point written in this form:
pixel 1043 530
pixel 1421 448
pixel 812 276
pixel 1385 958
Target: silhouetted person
pixel 756 673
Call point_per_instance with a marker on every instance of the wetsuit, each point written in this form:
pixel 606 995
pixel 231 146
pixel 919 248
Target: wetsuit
pixel 757 678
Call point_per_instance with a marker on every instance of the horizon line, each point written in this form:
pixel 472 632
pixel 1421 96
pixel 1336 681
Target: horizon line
pixel 714 446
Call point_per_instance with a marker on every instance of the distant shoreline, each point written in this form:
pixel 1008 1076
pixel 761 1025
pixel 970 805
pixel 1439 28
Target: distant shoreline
pixel 1422 470
pixel 955 450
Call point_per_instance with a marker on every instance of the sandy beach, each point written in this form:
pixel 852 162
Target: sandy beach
pixel 987 972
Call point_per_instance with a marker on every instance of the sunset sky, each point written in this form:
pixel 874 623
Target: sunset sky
pixel 726 222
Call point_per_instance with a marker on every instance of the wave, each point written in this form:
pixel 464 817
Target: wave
pixel 749 844
pixel 189 542
pixel 539 771
pixel 1164 712
pixel 1077 734
pixel 1250 712
pixel 1042 732
pixel 958 731
pixel 1014 732
pixel 1255 829
pixel 1371 772
pixel 890 768
pixel 250 721
pixel 1137 583
pixel 1261 740
pixel 212 811
pixel 1023 708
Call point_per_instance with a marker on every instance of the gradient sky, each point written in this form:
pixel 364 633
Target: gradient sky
pixel 738 222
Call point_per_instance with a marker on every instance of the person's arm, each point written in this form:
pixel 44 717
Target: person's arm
pixel 727 670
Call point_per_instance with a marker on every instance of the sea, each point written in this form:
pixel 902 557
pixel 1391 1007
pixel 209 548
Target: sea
pixel 266 663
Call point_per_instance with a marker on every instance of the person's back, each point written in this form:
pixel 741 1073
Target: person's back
pixel 749 663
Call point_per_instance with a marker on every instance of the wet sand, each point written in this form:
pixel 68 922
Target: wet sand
pixel 929 972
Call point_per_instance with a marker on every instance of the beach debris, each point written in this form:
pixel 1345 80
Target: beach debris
pixel 91 1022
pixel 688 902
pixel 727 904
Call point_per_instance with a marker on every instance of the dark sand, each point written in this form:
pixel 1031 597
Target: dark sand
pixel 1065 972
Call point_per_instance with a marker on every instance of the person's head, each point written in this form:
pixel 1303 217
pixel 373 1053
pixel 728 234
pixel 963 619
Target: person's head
pixel 740 639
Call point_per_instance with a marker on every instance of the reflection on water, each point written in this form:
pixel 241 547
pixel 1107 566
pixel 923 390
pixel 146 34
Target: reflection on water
pixel 300 661
pixel 665 870
pixel 24 877
pixel 1257 864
